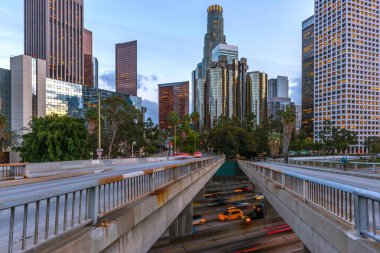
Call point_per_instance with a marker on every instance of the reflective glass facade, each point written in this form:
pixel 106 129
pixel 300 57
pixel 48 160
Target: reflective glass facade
pixel 63 98
pixel 308 77
pixel 257 83
pixel 126 68
pixel 5 94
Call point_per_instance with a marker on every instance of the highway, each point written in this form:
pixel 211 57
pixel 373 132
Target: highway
pixel 364 183
pixel 39 190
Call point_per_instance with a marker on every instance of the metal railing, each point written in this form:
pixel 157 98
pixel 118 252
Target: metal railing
pixel 45 214
pixel 12 170
pixel 364 167
pixel 358 207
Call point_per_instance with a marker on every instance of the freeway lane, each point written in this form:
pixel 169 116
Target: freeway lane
pixel 363 183
pixel 29 191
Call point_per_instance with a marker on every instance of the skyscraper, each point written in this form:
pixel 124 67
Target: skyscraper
pixel 126 68
pixel 5 94
pixel 257 83
pixel 95 65
pixel 308 76
pixel 87 51
pixel 54 32
pixel 346 81
pixel 231 52
pixel 278 87
pixel 172 97
pixel 214 35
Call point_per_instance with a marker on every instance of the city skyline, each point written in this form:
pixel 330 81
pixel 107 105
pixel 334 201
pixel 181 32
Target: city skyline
pixel 269 52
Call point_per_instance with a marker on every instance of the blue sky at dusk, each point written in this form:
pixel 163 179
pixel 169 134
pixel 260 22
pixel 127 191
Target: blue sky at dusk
pixel 170 37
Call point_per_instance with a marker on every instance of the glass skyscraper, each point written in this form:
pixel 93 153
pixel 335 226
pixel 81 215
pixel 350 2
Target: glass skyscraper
pixel 308 77
pixel 5 94
pixel 214 35
pixel 257 87
pixel 126 68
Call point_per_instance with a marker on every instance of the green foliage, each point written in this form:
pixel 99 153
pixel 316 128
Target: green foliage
pixel 372 144
pixel 274 143
pixel 229 137
pixel 288 117
pixel 55 138
pixel 8 138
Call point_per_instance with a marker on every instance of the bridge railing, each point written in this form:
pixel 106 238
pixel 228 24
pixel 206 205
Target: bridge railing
pixel 358 207
pixel 12 170
pixel 45 214
pixel 367 167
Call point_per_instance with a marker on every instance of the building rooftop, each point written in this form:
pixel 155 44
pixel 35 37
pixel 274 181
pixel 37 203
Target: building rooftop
pixel 173 84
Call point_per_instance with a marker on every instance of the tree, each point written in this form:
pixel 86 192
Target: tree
pixel 173 119
pixel 372 144
pixel 91 117
pixel 55 138
pixel 343 138
pixel 274 143
pixel 8 138
pixel 194 119
pixel 288 118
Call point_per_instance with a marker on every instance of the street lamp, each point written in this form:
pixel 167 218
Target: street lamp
pixel 99 151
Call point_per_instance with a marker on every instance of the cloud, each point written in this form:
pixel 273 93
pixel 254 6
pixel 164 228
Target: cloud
pixel 142 79
pixel 151 110
pixel 107 80
pixel 295 87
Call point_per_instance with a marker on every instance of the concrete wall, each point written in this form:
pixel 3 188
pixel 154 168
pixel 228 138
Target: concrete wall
pixel 318 230
pixel 136 227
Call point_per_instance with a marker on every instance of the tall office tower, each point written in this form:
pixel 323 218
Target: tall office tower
pixel 214 35
pixel 257 85
pixel 195 75
pixel 308 76
pixel 346 81
pixel 54 32
pixel 225 90
pixel 231 52
pixel 87 51
pixel 198 94
pixel 5 94
pixel 278 87
pixel 172 97
pixel 126 68
pixel 95 71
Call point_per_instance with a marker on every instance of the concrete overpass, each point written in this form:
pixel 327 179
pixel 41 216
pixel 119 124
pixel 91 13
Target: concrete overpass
pixel 329 212
pixel 117 208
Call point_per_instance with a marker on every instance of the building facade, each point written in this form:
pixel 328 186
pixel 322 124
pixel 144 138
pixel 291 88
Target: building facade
pixel 257 85
pixel 172 97
pixel 231 52
pixel 87 56
pixel 308 77
pixel 95 64
pixel 346 80
pixel 214 36
pixel 278 87
pixel 5 94
pixel 126 68
pixel 54 32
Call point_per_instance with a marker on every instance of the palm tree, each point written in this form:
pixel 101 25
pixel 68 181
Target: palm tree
pixel 274 143
pixel 288 118
pixel 8 138
pixel 173 119
pixel 91 117
pixel 195 118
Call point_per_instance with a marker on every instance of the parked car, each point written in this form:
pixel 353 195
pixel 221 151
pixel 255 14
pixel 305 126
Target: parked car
pixel 198 220
pixel 231 214
pixel 258 197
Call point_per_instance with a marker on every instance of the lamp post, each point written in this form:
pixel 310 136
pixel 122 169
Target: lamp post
pixel 99 151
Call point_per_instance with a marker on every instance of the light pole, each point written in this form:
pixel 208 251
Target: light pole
pixel 99 151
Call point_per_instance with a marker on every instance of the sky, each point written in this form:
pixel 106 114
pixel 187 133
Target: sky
pixel 170 37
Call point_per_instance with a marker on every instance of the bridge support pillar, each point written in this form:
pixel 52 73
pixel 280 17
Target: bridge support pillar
pixel 183 224
pixel 200 195
pixel 269 211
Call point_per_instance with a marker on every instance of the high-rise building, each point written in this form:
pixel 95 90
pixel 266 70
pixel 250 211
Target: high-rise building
pixel 257 83
pixel 54 32
pixel 214 35
pixel 278 87
pixel 346 80
pixel 225 90
pixel 308 77
pixel 95 71
pixel 231 52
pixel 172 97
pixel 126 68
pixel 87 52
pixel 5 94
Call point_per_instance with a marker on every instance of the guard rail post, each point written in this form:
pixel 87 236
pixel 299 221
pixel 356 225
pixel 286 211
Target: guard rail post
pixel 92 211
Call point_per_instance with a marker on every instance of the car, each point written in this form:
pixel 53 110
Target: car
pixel 198 220
pixel 241 204
pixel 218 202
pixel 257 212
pixel 247 219
pixel 198 154
pixel 231 214
pixel 258 197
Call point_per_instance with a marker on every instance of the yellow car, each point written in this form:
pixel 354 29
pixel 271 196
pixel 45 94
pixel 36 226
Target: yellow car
pixel 198 220
pixel 231 214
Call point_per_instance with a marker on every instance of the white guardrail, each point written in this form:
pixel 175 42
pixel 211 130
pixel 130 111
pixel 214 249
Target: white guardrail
pixel 358 207
pixel 43 215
